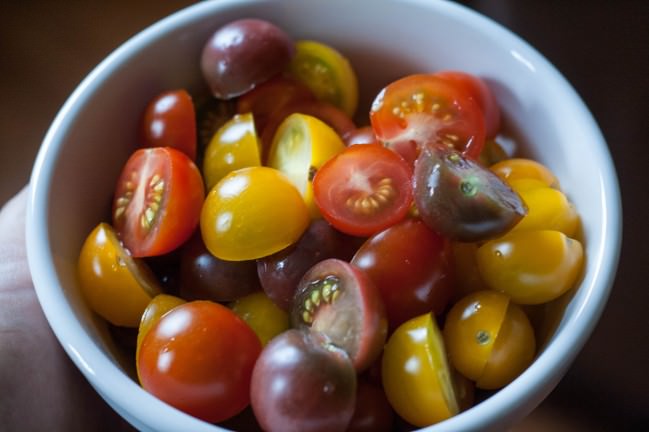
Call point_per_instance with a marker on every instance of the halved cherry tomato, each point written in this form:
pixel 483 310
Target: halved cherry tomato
pixel 158 201
pixel 341 301
pixel 364 189
pixel 424 110
pixel 302 144
pixel 489 339
pixel 199 358
pixel 116 286
pixel 334 117
pixel 251 213
pixel 235 145
pixel 481 93
pixel 271 96
pixel 416 373
pixel 327 73
pixel 170 121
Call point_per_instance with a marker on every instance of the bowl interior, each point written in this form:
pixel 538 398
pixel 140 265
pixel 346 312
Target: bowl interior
pixel 95 133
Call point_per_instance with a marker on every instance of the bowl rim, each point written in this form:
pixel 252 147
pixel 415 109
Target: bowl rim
pixel 146 411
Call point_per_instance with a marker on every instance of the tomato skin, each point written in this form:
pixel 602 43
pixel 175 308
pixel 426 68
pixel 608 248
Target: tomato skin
pixel 409 264
pixel 424 110
pixel 235 145
pixel 489 339
pixel 334 117
pixel 302 383
pixel 373 412
pixel 481 93
pixel 425 394
pixel 327 73
pixel 363 190
pixel 531 267
pixel 271 96
pixel 240 216
pixel 115 285
pixel 520 168
pixel 363 135
pixel 262 315
pixel 170 121
pixel 212 386
pixel 158 201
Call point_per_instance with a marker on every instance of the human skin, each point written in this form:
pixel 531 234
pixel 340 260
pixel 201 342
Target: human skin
pixel 41 389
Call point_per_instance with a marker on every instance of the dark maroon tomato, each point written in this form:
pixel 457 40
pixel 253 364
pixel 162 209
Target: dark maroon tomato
pixel 170 121
pixel 280 273
pixel 409 264
pixel 461 199
pixel 339 300
pixel 303 383
pixel 364 135
pixel 242 54
pixel 166 269
pixel 373 412
pixel 205 277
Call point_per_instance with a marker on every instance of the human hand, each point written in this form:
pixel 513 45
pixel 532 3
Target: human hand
pixel 41 389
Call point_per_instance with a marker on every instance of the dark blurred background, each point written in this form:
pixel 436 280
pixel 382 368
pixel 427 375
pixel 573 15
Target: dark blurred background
pixel 602 48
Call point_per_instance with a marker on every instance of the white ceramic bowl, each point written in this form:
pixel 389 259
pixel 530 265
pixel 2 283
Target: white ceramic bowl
pixel 92 135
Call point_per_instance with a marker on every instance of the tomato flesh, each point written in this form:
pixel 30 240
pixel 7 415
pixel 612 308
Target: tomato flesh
pixel 363 190
pixel 157 201
pixel 424 110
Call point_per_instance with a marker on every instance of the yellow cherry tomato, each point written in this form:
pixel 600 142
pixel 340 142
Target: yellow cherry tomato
pixel 262 315
pixel 547 209
pixel 327 73
pixel 519 168
pixel 116 286
pixel 532 267
pixel 251 213
pixel 489 339
pixel 416 375
pixel 235 145
pixel 302 144
pixel 157 307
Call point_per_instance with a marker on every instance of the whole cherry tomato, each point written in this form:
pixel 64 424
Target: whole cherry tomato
pixel 409 264
pixel 199 358
pixel 489 339
pixel 170 121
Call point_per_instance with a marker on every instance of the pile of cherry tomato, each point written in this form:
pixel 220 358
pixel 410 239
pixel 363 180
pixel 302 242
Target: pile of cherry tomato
pixel 273 255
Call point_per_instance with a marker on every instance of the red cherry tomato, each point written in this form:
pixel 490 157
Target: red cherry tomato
pixel 158 201
pixel 424 110
pixel 363 135
pixel 199 358
pixel 481 93
pixel 170 121
pixel 409 264
pixel 271 96
pixel 363 190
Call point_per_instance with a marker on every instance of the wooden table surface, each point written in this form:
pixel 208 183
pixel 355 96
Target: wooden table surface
pixel 602 47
